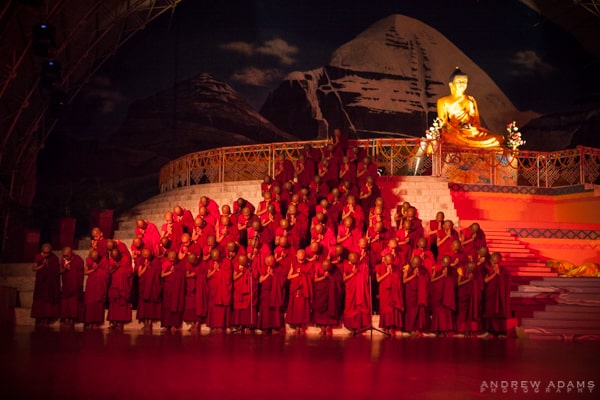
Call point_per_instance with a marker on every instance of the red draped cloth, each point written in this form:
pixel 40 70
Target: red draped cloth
pixel 391 297
pixel 357 305
pixel 468 312
pixel 220 295
pixel 150 292
pixel 71 302
pixel 119 290
pixel 96 289
pixel 173 301
pixel 272 295
pixel 301 292
pixel 416 302
pixel 46 292
pixel 327 297
pixel 496 302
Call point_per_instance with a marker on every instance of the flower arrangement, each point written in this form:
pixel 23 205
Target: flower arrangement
pixel 513 136
pixel 435 131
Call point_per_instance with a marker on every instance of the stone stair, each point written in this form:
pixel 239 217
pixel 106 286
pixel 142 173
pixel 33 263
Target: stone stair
pixel 518 258
pixel 562 308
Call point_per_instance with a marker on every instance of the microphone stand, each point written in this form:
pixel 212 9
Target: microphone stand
pixel 370 328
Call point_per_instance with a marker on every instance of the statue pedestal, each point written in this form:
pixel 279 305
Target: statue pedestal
pixel 480 166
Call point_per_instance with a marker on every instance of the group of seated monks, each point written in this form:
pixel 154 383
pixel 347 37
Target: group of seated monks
pixel 327 252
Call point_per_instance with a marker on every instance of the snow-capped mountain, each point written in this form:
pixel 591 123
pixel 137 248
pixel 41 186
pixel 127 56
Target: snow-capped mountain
pixel 385 81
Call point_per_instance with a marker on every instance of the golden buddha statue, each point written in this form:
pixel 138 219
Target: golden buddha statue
pixel 460 117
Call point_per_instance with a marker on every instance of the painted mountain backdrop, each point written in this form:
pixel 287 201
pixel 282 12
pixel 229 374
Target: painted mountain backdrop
pixel 385 81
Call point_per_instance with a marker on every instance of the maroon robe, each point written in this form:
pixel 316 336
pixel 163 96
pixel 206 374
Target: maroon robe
pixel 305 172
pixel 190 313
pixel 186 219
pixel 96 290
pixel 468 313
pixel 119 290
pixel 357 305
pixel 150 292
pixel 471 248
pixel 173 301
pixel 220 287
pixel 272 295
pixel 442 298
pixel 71 302
pixel 496 302
pixel 245 295
pixel 347 172
pixel 446 248
pixel 150 236
pixel 284 172
pixel 301 292
pixel 327 297
pixel 416 301
pixel 46 292
pixel 391 297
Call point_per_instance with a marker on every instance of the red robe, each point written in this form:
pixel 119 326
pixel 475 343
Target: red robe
pixel 357 305
pixel 347 172
pixel 96 289
pixel 272 298
pixel 186 219
pixel 220 287
pixel 305 172
pixel 416 301
pixel 351 243
pixel 391 297
pixel 468 313
pixel 46 292
pixel 245 295
pixel 446 248
pixel 173 231
pixel 71 304
pixel 150 236
pixel 496 302
pixel 471 248
pixel 119 290
pixel 442 298
pixel 150 292
pixel 301 292
pixel 327 297
pixel 190 313
pixel 284 172
pixel 173 301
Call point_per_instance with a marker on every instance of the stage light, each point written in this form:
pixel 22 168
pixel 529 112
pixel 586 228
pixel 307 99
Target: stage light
pixel 44 39
pixel 51 74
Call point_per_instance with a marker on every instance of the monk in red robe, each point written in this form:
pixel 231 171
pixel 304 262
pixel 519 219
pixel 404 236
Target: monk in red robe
pixel 473 238
pixel 186 246
pixel 442 298
pixel 327 296
pixel 202 230
pixel 435 225
pixel 96 289
pixel 445 237
pixel 119 290
pixel 212 208
pixel 300 275
pixel 284 170
pixel 99 242
pixel 349 234
pixel 468 312
pixel 377 237
pixel 46 292
pixel 245 292
pixel 193 266
pixel 172 230
pixel 71 274
pixel 347 170
pixel 226 232
pixel 185 217
pixel 406 238
pixel 424 253
pixel 391 295
pixel 220 285
pixel 401 213
pixel 173 300
pixel 496 297
pixel 272 281
pixel 148 233
pixel 304 170
pixel 148 269
pixel 354 210
pixel 367 194
pixel 393 249
pixel 357 305
pixel 365 169
pixel 416 297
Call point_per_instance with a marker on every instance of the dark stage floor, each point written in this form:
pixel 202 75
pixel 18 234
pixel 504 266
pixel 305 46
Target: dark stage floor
pixel 99 365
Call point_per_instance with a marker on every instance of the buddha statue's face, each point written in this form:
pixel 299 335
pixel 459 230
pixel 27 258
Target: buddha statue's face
pixel 459 85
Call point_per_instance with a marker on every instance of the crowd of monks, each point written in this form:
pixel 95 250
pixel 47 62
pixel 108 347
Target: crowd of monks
pixel 321 248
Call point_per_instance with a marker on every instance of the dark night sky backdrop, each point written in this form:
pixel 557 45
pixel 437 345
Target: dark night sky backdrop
pixel 252 45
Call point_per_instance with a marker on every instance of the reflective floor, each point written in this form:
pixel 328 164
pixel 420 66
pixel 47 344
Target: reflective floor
pixel 101 365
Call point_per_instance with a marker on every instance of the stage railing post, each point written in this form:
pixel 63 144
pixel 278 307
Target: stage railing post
pixel 581 165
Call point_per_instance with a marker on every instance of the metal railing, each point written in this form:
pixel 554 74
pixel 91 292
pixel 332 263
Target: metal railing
pixel 396 157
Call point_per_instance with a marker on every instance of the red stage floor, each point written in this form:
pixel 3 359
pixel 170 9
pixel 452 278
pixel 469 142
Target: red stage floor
pixel 98 365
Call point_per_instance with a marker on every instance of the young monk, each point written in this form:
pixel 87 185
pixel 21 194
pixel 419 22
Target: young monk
pixel 96 287
pixel 468 310
pixel 357 306
pixel 300 276
pixel 71 275
pixel 391 295
pixel 119 290
pixel 173 276
pixel 148 270
pixel 496 297
pixel 46 292
pixel 272 293
pixel 473 238
pixel 416 297
pixel 327 300
pixel 220 285
pixel 442 298
pixel 445 237
pixel 245 293
pixel 193 266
